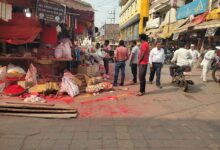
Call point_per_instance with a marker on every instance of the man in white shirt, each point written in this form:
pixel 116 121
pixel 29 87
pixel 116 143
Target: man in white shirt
pixel 195 54
pixel 182 57
pixel 134 60
pixel 206 63
pixel 156 60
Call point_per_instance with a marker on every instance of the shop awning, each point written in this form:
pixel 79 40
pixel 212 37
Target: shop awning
pixel 19 30
pixel 153 33
pixel 168 30
pixel 197 20
pixel 76 4
pixel 214 14
pixel 208 24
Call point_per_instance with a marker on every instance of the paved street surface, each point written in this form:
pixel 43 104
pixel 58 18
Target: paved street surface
pixel 164 119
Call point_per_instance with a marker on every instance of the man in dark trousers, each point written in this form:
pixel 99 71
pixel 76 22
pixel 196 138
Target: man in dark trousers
pixel 107 50
pixel 134 60
pixel 156 60
pixel 143 62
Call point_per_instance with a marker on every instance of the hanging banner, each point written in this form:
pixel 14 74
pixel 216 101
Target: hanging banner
pixel 210 32
pixel 50 11
pixel 194 8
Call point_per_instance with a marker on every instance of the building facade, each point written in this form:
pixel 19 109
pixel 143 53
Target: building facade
pixel 109 32
pixel 133 17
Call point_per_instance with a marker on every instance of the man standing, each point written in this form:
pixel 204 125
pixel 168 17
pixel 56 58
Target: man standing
pixel 134 60
pixel 121 56
pixel 156 60
pixel 107 50
pixel 182 57
pixel 195 54
pixel 143 62
pixel 206 63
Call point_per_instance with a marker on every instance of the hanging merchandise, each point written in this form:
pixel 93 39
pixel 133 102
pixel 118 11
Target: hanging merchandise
pixel 49 35
pixel 59 29
pixel 5 11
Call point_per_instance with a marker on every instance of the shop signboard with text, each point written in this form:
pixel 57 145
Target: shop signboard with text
pixel 155 23
pixel 194 8
pixel 49 11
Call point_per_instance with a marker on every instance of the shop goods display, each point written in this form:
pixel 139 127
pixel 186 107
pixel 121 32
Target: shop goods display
pixel 99 87
pixel 40 88
pixel 93 80
pixel 15 71
pixel 106 86
pixel 34 99
pixel 69 87
pixel 14 90
pixel 3 71
pixel 31 76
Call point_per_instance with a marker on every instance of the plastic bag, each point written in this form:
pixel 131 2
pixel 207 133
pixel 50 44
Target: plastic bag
pixel 3 71
pixel 15 71
pixel 69 87
pixel 31 76
pixel 59 51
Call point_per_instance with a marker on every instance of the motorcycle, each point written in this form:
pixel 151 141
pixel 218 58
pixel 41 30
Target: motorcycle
pixel 182 77
pixel 216 71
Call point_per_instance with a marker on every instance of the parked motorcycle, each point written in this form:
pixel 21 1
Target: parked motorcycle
pixel 216 71
pixel 183 77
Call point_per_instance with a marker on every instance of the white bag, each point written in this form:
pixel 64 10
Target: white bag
pixel 69 87
pixel 59 51
pixel 31 76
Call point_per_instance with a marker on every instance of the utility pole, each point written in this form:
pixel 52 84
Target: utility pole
pixel 112 16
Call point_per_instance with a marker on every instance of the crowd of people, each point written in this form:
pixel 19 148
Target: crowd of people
pixel 141 55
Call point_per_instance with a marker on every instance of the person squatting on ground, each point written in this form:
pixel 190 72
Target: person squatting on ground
pixel 182 57
pixel 121 56
pixel 156 61
pixel 143 62
pixel 134 60
pixel 206 63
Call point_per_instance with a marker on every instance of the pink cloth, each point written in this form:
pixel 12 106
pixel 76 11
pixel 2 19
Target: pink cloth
pixel 121 54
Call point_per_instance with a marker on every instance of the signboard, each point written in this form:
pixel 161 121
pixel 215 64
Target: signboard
pixel 155 23
pixel 50 11
pixel 210 32
pixel 194 8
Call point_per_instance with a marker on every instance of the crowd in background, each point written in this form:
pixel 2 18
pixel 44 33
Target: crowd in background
pixel 142 55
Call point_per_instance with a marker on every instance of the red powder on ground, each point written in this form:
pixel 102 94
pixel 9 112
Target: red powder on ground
pixel 14 89
pixel 100 100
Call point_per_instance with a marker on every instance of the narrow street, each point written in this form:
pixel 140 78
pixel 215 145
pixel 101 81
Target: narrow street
pixel 163 119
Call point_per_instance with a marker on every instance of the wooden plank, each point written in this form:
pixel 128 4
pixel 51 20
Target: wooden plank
pixel 45 116
pixel 14 110
pixel 32 104
pixel 23 106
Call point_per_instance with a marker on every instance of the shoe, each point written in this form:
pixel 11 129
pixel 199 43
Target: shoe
pixel 122 84
pixel 150 82
pixel 159 86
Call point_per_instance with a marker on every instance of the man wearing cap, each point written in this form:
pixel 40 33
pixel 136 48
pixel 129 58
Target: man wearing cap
pixel 195 54
pixel 206 63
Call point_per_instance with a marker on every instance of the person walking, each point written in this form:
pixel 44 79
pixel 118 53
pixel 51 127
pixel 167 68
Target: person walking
pixel 195 55
pixel 206 63
pixel 134 60
pixel 121 56
pixel 107 50
pixel 143 59
pixel 156 60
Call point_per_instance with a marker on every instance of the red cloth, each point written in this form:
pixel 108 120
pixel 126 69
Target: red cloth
pixel 144 49
pixel 19 30
pixel 80 28
pixel 49 36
